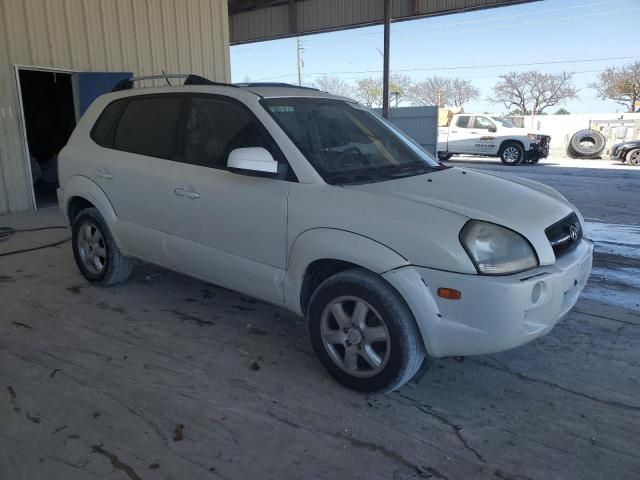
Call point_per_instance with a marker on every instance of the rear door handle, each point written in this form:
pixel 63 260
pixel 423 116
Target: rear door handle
pixel 104 173
pixel 184 192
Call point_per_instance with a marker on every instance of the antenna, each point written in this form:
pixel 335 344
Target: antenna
pixel 165 77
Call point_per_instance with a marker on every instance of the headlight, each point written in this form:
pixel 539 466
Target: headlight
pixel 534 137
pixel 496 250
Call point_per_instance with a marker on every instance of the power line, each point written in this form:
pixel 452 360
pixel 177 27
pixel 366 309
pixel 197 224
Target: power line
pixel 460 67
pixel 537 22
pixel 507 17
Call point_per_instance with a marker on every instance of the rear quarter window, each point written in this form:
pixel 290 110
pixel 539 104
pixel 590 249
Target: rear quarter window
pixel 103 129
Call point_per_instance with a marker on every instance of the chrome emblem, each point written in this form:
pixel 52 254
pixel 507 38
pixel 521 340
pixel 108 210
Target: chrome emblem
pixel 573 232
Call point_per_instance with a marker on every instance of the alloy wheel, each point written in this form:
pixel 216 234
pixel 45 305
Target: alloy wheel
pixel 91 247
pixel 355 336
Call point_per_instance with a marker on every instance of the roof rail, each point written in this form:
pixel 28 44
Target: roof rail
pixel 274 84
pixel 190 79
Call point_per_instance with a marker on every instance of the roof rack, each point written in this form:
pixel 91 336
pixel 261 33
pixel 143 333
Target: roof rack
pixel 190 79
pixel 274 84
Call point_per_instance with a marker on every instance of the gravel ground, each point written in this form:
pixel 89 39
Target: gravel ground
pixel 166 377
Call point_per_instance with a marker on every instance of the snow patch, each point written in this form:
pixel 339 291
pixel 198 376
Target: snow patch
pixel 615 238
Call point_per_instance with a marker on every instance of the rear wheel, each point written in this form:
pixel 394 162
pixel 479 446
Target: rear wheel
pixel 95 251
pixel 512 153
pixel 633 157
pixel 363 332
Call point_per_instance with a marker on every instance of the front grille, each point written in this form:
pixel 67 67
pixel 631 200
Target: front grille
pixel 565 235
pixel 544 141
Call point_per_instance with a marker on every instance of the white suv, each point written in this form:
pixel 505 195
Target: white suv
pixel 311 202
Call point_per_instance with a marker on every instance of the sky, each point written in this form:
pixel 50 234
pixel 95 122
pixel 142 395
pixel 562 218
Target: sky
pixel 581 36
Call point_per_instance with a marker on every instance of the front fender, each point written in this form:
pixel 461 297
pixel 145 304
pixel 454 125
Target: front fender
pixel 334 244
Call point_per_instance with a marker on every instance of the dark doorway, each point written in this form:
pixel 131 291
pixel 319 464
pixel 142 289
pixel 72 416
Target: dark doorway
pixel 49 115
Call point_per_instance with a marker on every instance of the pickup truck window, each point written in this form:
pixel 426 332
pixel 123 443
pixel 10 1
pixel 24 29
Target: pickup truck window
pixel 482 123
pixel 463 121
pixel 504 122
pixel 346 143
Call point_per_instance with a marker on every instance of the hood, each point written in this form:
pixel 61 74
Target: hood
pixel 523 206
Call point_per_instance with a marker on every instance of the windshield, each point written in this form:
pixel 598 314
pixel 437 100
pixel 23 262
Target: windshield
pixel 346 143
pixel 504 122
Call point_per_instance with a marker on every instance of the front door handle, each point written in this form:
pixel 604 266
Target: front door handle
pixel 104 173
pixel 184 192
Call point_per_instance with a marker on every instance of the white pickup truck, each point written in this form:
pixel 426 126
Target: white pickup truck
pixel 491 136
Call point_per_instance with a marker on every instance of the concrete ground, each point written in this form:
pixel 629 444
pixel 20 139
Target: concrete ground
pixel 170 378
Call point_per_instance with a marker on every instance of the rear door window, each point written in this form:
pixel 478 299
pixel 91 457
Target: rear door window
pixel 148 126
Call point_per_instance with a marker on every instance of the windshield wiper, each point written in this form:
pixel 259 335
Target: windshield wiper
pixel 420 168
pixel 355 177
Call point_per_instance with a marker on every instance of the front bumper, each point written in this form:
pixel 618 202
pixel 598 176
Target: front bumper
pixel 495 313
pixel 617 152
pixel 540 149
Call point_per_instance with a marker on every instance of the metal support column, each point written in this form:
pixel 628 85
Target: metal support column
pixel 385 68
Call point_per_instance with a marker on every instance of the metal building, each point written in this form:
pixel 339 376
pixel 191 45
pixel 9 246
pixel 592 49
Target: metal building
pixel 51 56
pixel 56 56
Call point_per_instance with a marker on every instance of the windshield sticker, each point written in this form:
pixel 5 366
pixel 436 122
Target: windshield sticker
pixel 282 109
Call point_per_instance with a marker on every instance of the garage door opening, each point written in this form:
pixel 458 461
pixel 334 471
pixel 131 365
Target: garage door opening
pixel 49 119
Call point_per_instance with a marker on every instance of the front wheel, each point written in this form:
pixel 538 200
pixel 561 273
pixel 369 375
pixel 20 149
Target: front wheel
pixel 364 333
pixel 633 157
pixel 512 153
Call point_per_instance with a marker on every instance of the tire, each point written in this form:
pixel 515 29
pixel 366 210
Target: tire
pixel 633 157
pixel 95 251
pixel 443 156
pixel 586 144
pixel 367 307
pixel 511 153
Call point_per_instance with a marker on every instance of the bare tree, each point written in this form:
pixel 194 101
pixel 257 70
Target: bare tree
pixel 334 85
pixel 462 92
pixel 369 90
pixel 431 91
pixel 621 85
pixel 442 91
pixel 533 91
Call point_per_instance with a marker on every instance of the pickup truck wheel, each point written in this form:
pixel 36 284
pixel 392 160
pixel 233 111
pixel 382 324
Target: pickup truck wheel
pixel 95 251
pixel 364 333
pixel 511 153
pixel 633 157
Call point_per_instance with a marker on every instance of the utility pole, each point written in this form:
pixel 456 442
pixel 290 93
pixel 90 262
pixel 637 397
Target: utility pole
pixel 299 56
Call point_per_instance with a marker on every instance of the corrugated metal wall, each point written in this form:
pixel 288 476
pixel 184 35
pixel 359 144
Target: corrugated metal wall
pixel 313 16
pixel 142 36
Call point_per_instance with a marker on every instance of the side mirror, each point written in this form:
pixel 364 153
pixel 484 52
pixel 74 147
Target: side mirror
pixel 493 129
pixel 252 159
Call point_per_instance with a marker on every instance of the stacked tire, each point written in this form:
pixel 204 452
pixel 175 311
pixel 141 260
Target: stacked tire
pixel 586 144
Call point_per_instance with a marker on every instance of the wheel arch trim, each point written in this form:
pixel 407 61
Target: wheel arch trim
pixel 83 187
pixel 334 244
